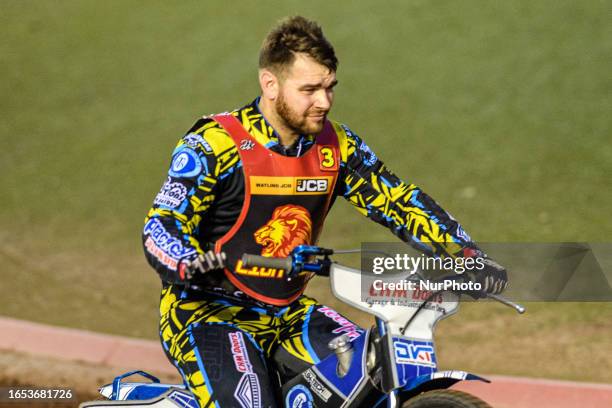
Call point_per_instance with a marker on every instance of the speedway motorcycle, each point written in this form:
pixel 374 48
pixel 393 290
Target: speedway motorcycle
pixel 392 364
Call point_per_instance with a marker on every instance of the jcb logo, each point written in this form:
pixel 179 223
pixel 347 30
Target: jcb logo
pixel 311 186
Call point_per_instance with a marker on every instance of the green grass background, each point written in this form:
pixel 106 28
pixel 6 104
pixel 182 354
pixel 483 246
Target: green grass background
pixel 499 110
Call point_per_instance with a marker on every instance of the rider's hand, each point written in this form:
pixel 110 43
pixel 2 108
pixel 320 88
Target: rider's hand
pixel 203 263
pixel 493 277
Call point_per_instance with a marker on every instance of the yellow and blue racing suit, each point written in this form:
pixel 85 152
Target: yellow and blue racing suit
pixel 225 343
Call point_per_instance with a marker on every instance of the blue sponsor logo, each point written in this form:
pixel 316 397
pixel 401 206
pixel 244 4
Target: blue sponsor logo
pixel 299 397
pixel 164 241
pixel 183 399
pixel 369 157
pixel 171 194
pixel 185 163
pixel 408 353
pixel 193 140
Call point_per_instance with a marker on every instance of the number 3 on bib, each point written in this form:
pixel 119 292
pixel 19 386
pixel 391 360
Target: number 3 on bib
pixel 327 158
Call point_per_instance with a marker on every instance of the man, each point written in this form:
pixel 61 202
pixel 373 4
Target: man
pixel 261 180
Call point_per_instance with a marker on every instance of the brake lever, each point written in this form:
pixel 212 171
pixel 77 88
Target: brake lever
pixel 505 301
pixel 321 268
pixel 520 309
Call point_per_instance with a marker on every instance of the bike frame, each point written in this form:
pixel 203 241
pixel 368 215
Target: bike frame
pixel 384 366
pixel 401 344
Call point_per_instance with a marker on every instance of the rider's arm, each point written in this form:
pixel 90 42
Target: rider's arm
pixel 171 225
pixel 404 208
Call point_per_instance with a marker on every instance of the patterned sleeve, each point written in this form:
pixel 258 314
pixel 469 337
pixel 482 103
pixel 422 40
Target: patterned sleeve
pixel 171 224
pixel 404 208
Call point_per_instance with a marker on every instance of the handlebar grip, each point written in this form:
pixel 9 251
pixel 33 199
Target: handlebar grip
pixel 249 261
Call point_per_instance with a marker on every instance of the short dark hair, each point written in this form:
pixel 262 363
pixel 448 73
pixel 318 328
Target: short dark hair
pixel 296 35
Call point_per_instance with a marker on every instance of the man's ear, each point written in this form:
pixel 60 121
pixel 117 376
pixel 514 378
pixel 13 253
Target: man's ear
pixel 269 84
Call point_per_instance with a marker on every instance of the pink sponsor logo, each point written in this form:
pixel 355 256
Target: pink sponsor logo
pixel 347 327
pixel 161 256
pixel 241 359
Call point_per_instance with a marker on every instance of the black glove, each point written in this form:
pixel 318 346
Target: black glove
pixel 492 277
pixel 201 264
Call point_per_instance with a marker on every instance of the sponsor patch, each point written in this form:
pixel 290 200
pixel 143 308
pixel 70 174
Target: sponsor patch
pixel 193 140
pixel 171 194
pixel 298 397
pixel 246 144
pixel 346 326
pixel 185 163
pixel 316 386
pixel 406 353
pixel 312 185
pixel 181 398
pixel 161 256
pixel 239 352
pixel 369 157
pixel 162 240
pixel 270 185
pixel 248 392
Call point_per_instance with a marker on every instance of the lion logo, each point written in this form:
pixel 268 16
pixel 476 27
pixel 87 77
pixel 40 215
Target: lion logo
pixel 289 226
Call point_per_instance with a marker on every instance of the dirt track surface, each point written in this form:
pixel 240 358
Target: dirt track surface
pixel 19 369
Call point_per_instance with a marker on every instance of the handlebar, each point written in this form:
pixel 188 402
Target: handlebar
pixel 301 260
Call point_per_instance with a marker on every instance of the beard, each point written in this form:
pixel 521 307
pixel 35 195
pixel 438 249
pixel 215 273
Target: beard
pixel 299 123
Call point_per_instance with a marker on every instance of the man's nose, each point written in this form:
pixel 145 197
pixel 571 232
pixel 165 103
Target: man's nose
pixel 324 99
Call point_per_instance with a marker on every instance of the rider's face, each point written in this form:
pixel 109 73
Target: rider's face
pixel 305 95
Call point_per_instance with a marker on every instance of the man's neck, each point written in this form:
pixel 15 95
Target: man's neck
pixel 286 136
